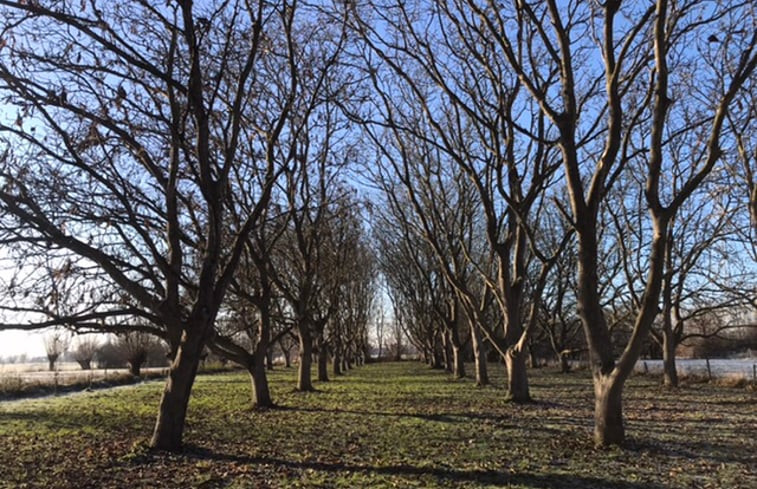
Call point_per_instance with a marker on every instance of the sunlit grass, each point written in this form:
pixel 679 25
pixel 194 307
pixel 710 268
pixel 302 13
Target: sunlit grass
pixel 385 425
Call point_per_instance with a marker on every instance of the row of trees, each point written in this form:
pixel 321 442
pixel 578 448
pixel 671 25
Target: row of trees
pixel 569 163
pixel 178 170
pixel 186 171
pixel 134 350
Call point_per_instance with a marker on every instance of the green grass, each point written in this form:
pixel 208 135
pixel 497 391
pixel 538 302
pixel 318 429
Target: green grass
pixel 385 425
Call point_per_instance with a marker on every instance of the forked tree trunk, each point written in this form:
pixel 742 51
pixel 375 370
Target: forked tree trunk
pixel 479 356
pixel 169 426
pixel 517 376
pixel 670 374
pixel 304 381
pixel 608 411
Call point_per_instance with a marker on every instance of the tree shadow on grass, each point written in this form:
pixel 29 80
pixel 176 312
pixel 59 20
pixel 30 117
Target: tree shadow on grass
pixel 442 474
pixel 693 450
pixel 504 419
pixel 438 417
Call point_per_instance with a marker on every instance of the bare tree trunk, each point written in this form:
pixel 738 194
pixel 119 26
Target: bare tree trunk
pixel 517 377
pixel 337 365
pixel 287 354
pixel 261 358
pixel 479 356
pixel 608 414
pixel 457 363
pixel 304 382
pixel 608 411
pixel 437 357
pixel 532 357
pixel 670 373
pixel 323 362
pixel 269 359
pixel 260 391
pixel 169 426
pixel 447 352
pixel 564 362
pixel 135 368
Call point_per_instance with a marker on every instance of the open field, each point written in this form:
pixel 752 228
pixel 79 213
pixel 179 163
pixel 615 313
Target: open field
pixel 724 368
pixel 385 425
pixel 28 380
pixel 65 373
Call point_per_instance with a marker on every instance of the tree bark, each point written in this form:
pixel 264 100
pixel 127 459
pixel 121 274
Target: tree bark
pixel 260 391
pixel 670 373
pixel 564 362
pixel 304 382
pixel 457 363
pixel 135 369
pixel 437 358
pixel 532 357
pixel 517 376
pixel 337 365
pixel 447 352
pixel 608 411
pixel 169 426
pixel 262 358
pixel 269 359
pixel 479 356
pixel 323 362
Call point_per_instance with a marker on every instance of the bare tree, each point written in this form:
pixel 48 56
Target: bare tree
pixel 700 274
pixel 136 348
pixel 583 69
pixel 639 119
pixel 56 344
pixel 85 351
pixel 125 146
pixel 451 109
pixel 416 287
pixel 379 325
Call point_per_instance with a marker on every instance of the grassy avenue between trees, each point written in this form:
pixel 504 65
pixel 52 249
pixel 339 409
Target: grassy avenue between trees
pixel 385 425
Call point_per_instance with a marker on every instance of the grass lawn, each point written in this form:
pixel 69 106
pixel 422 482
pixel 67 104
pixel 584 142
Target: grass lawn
pixel 385 425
